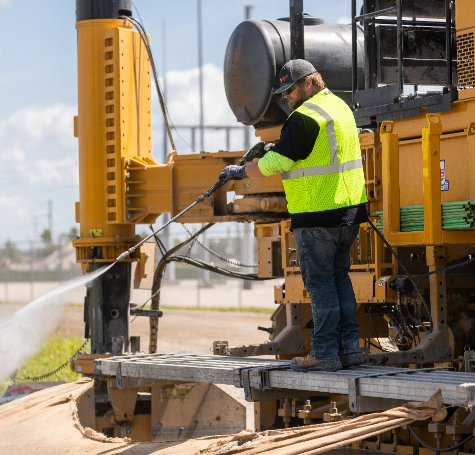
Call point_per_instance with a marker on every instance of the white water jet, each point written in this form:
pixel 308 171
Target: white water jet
pixel 21 336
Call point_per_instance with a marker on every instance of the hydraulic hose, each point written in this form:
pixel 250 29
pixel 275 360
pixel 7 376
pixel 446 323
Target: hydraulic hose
pixel 201 198
pixel 416 288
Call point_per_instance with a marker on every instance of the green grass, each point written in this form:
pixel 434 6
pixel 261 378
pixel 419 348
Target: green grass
pixel 55 352
pixel 220 309
pixel 206 308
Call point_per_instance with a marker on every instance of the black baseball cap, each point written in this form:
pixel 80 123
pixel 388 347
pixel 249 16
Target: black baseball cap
pixel 292 72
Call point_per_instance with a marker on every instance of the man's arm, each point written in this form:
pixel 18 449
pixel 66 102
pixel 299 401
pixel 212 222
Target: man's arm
pixel 296 142
pixel 271 164
pixel 252 170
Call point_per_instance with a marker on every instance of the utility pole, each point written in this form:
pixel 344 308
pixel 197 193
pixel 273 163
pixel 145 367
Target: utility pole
pixel 60 259
pixel 164 86
pixel 32 271
pixel 50 217
pixel 248 9
pixel 200 65
pixel 167 240
pixel 205 273
pixel 247 250
pixel 207 259
pixel 7 266
pixel 247 129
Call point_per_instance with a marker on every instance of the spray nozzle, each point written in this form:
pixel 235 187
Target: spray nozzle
pixel 125 254
pixel 257 151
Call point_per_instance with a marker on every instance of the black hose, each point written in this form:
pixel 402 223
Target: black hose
pixel 416 289
pixel 215 269
pixel 445 269
pixel 170 256
pixel 416 285
pixel 435 449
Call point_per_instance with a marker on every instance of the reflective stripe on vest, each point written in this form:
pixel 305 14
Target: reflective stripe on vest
pixel 333 168
pixel 322 170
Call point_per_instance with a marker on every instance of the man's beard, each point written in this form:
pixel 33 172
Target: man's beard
pixel 296 104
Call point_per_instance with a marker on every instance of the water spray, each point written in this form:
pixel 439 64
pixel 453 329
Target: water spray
pixel 22 334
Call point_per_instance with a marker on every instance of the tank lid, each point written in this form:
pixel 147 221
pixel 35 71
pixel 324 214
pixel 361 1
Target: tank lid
pixel 307 20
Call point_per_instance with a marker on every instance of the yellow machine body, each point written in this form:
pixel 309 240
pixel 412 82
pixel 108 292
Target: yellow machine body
pixel 113 124
pixel 122 186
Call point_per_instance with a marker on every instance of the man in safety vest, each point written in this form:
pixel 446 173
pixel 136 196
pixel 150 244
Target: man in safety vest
pixel 319 158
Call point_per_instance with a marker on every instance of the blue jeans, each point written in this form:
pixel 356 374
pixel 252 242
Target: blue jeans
pixel 324 256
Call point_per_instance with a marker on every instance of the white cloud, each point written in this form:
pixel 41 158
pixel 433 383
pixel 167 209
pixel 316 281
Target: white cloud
pixel 183 96
pixel 31 125
pixel 40 155
pixel 46 172
pixel 37 145
pixel 183 106
pixel 344 20
pixel 4 2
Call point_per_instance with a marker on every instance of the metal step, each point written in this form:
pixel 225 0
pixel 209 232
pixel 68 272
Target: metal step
pixel 406 384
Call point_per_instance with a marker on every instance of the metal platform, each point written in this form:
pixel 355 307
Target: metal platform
pixel 252 374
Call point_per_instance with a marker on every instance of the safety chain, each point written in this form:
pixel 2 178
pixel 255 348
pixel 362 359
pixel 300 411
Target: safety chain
pixel 236 263
pixel 51 373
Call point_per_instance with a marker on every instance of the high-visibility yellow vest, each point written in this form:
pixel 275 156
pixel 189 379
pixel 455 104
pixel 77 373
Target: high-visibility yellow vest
pixel 332 175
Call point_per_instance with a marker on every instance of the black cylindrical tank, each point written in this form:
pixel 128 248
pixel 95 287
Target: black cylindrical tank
pixel 256 52
pixel 102 9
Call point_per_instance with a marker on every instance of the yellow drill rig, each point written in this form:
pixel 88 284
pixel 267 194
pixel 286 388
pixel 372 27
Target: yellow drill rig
pixel 415 286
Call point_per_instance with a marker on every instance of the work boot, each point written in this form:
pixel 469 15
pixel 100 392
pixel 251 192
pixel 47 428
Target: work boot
pixel 310 364
pixel 353 359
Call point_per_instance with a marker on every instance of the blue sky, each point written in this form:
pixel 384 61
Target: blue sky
pixel 38 93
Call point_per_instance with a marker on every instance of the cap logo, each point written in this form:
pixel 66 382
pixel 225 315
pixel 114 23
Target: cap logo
pixel 284 77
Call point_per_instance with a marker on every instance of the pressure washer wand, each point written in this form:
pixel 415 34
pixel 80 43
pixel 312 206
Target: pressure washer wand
pixel 201 198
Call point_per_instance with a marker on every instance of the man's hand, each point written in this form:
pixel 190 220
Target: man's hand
pixel 256 151
pixel 233 172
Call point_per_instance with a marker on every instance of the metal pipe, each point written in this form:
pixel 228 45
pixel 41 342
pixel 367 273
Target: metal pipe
pixel 164 68
pixel 365 17
pixel 400 66
pixel 274 204
pixel 431 24
pixel 354 46
pixel 297 48
pixel 448 41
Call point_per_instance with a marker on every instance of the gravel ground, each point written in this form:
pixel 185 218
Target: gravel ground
pixel 184 331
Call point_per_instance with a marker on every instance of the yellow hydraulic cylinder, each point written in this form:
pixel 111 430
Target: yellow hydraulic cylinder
pixel 113 125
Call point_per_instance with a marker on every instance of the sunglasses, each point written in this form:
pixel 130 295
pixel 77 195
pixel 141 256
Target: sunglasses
pixel 291 89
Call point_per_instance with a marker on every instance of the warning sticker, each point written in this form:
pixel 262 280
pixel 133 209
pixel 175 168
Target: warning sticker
pixel 382 280
pixel 95 232
pixel 444 183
